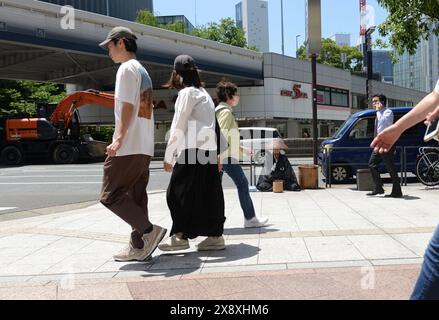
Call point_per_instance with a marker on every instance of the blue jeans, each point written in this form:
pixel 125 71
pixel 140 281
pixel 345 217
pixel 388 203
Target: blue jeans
pixel 240 180
pixel 427 286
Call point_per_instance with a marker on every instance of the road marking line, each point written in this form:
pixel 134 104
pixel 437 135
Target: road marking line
pixel 7 208
pixel 65 176
pixel 46 183
pixel 55 176
pixel 74 170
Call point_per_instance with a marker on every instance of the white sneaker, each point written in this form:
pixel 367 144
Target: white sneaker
pixel 174 244
pixel 255 222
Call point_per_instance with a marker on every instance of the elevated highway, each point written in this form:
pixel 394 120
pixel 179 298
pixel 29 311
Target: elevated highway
pixel 36 45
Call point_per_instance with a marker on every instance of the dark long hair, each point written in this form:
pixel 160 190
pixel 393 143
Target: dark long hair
pixel 182 79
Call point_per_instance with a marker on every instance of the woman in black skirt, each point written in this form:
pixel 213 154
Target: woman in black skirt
pixel 195 196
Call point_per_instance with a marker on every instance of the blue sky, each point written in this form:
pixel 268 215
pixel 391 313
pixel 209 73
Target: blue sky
pixel 338 16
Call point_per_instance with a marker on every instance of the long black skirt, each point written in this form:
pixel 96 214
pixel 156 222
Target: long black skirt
pixel 195 196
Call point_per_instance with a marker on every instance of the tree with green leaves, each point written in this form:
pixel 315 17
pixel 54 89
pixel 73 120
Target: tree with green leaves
pixel 331 54
pixel 147 18
pixel 225 31
pixel 22 96
pixel 408 22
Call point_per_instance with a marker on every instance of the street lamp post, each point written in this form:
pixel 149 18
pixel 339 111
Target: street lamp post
pixel 297 44
pixel 368 57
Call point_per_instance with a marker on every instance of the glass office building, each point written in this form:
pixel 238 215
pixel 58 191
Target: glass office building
pixel 122 9
pixel 173 19
pixel 382 64
pixel 421 70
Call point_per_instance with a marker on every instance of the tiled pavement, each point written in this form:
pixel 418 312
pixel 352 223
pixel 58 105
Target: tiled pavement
pixel 320 244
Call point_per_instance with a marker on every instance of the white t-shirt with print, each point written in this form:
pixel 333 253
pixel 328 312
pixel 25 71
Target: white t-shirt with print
pixel 134 86
pixel 437 87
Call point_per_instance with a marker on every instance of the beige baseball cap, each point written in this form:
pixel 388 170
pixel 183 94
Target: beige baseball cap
pixel 118 33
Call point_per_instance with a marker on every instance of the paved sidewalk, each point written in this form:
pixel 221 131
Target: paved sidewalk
pixel 321 244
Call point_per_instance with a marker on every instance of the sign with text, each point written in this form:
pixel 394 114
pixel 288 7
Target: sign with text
pixel 296 93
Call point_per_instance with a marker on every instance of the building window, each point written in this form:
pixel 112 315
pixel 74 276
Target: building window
pixel 332 96
pixel 359 101
pixel 324 95
pixel 340 98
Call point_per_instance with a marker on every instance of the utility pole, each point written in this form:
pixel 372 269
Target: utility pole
pixel 313 47
pixel 196 13
pixel 369 63
pixel 282 25
pixel 314 107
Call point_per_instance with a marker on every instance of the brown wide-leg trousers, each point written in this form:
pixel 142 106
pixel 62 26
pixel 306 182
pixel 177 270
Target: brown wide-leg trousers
pixel 124 192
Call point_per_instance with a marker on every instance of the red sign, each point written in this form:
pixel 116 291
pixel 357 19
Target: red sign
pixel 295 94
pixel 363 17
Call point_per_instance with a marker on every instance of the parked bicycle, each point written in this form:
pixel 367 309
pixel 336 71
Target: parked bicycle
pixel 427 166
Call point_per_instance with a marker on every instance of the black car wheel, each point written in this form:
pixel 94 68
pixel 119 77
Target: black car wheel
pixel 65 154
pixel 11 156
pixel 340 174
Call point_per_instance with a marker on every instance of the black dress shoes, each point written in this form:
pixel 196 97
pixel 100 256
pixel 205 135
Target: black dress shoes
pixel 375 192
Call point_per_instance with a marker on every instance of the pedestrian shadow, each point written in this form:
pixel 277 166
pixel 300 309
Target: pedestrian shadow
pixel 191 261
pixel 410 198
pixel 249 231
pixel 404 197
pixel 434 188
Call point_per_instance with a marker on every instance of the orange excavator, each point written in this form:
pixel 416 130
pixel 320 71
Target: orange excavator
pixel 58 137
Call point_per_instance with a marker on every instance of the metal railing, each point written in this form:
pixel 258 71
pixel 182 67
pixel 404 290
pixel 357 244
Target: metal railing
pixel 402 163
pixel 252 165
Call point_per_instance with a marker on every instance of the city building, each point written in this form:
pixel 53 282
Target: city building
pixel 421 70
pixel 275 90
pixel 121 9
pixel 252 17
pixel 382 64
pixel 284 99
pixel 173 19
pixel 342 39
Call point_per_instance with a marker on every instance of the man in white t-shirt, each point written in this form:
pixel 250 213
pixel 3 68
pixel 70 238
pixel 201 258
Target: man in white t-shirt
pixel 126 169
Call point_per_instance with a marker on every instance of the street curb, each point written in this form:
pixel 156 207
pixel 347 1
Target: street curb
pixel 45 211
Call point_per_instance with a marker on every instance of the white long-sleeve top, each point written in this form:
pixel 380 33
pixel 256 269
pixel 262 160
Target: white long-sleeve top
pixel 193 125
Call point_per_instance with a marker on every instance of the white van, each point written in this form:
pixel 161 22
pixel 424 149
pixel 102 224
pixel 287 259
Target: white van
pixel 258 139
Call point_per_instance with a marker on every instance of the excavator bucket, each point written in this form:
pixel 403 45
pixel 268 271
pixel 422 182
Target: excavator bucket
pixel 96 149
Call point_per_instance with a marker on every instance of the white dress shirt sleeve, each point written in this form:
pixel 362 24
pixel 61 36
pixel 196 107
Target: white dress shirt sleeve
pixel 183 109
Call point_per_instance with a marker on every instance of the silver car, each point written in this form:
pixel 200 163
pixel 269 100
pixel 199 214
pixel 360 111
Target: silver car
pixel 260 140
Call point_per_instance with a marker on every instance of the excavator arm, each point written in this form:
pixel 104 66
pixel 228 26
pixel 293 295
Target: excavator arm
pixel 64 112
